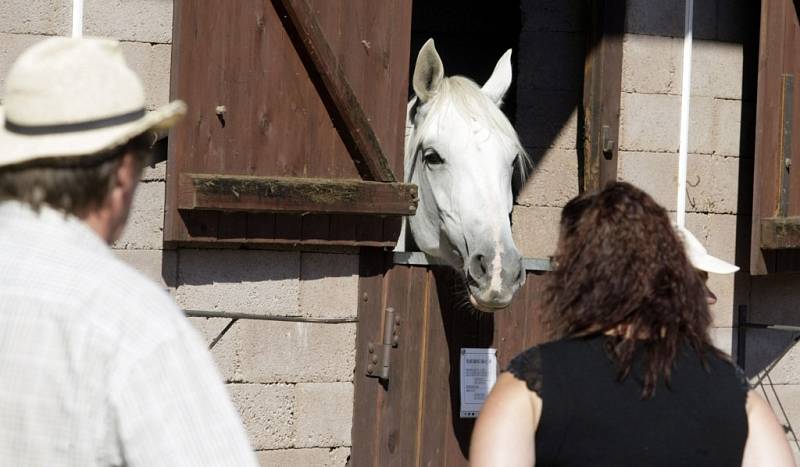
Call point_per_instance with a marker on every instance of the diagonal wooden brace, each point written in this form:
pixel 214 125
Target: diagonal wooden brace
pixel 332 84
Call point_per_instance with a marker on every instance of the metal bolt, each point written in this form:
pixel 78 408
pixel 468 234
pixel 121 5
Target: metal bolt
pixel 365 297
pixel 397 320
pixel 396 339
pixel 371 348
pixel 787 162
pixel 220 109
pixel 370 369
pixel 374 359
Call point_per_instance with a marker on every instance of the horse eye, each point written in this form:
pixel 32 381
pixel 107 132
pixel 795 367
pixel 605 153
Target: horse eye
pixel 431 157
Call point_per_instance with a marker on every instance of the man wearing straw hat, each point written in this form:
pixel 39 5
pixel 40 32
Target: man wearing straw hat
pixel 97 365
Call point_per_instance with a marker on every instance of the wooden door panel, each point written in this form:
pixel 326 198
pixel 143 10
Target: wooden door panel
pixel 775 240
pixel 414 419
pixel 308 89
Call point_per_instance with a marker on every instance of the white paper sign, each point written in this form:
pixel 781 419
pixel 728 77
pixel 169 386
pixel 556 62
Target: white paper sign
pixel 478 375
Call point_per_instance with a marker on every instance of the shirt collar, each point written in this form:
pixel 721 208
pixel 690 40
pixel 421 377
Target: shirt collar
pixel 51 224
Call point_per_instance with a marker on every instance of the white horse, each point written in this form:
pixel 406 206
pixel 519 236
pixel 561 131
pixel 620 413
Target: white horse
pixel 460 149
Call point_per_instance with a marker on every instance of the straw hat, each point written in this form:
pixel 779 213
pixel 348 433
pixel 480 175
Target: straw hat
pixel 699 257
pixel 74 97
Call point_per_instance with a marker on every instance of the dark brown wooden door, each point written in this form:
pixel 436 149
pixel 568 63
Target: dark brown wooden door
pixel 414 418
pixel 775 245
pixel 295 127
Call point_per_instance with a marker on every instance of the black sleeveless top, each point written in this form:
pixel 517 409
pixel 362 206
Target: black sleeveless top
pixel 590 418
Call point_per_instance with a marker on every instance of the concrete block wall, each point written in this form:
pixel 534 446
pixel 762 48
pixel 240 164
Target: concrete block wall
pixel 549 84
pixel 720 170
pixel 649 126
pixel 292 382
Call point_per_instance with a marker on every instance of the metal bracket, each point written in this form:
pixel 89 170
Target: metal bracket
pixel 380 354
pixel 607 144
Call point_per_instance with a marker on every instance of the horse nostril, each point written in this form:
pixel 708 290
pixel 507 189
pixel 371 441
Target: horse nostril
pixel 478 267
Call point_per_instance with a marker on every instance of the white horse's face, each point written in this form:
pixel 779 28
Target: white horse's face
pixel 461 151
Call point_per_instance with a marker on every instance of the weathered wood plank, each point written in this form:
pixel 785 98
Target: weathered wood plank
pixel 779 233
pixel 435 427
pixel 333 85
pixel 390 438
pixel 768 136
pixel 601 95
pixel 369 393
pixel 294 195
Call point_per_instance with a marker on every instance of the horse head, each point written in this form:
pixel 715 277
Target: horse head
pixel 461 151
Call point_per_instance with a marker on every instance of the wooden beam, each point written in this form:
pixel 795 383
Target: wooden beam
pixel 331 82
pixel 295 195
pixel 780 233
pixel 602 89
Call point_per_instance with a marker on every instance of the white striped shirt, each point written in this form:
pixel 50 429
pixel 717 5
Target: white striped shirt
pixel 98 366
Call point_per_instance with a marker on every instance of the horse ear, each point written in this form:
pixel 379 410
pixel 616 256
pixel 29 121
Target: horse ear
pixel 428 72
pixel 497 84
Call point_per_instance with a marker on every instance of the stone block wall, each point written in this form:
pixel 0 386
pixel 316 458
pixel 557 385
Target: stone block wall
pixel 292 382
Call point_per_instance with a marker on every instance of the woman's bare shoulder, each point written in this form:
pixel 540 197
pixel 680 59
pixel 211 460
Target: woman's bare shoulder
pixel 506 426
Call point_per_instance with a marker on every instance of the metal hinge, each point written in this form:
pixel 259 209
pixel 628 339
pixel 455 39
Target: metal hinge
pixel 380 354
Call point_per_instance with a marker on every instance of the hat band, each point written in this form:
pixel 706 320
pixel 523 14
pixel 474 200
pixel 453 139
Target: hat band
pixel 38 130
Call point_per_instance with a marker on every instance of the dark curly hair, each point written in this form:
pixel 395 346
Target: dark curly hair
pixel 620 268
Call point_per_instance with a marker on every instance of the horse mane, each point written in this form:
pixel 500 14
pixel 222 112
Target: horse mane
pixel 467 98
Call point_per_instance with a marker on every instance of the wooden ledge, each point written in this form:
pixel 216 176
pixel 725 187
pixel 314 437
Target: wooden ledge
pixel 211 192
pixel 780 233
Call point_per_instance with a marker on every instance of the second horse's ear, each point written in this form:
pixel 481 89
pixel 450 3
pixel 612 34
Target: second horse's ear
pixel 428 72
pixel 497 84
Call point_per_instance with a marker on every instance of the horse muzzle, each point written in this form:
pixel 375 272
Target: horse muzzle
pixel 492 281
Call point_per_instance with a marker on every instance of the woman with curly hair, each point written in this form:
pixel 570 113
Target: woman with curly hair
pixel 631 377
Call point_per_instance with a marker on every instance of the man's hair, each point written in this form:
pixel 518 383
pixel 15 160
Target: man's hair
pixel 620 266
pixel 75 185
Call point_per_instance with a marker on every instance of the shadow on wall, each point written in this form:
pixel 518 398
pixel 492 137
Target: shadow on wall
pixel 234 266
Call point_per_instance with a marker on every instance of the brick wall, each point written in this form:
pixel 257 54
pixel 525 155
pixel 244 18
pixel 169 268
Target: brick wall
pixel 292 382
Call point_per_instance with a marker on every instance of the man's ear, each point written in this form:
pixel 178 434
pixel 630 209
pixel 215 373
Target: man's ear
pixel 120 197
pixel 128 171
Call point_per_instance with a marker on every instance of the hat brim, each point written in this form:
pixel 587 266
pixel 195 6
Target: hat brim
pixel 18 148
pixel 713 264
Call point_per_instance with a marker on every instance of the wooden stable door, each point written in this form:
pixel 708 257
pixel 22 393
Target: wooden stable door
pixel 294 134
pixel 413 419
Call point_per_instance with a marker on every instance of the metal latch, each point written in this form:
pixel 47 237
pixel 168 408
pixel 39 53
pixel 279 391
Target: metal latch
pixel 607 143
pixel 380 354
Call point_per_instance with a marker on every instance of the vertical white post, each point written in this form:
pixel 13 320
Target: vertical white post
pixel 77 18
pixel 686 87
